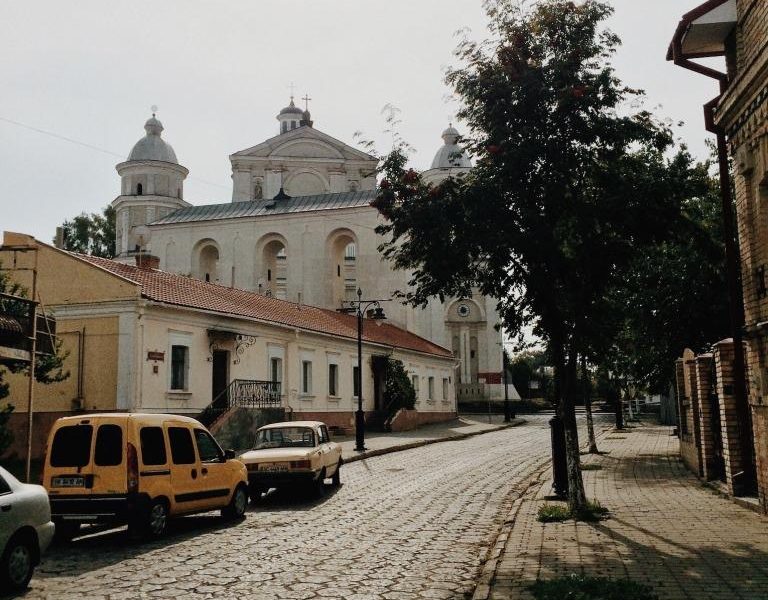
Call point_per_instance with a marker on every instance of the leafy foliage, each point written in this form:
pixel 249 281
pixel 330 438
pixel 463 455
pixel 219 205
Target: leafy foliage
pixel 580 587
pixel 532 365
pixel 557 513
pixel 398 389
pixel 568 188
pixel 6 435
pixel 92 234
pixel 48 369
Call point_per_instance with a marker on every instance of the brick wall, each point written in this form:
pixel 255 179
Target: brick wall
pixel 742 113
pixel 703 370
pixel 689 447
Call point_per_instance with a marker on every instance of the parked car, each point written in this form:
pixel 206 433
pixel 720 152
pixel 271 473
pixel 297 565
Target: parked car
pixel 138 469
pixel 26 530
pixel 295 453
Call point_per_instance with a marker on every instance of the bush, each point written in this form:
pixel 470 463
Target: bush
pixel 557 513
pixel 398 389
pixel 553 513
pixel 579 587
pixel 6 436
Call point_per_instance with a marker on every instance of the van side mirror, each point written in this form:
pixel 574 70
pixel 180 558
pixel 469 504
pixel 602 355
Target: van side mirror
pixel 228 454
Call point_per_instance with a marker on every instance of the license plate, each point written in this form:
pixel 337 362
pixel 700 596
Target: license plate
pixel 273 468
pixel 68 482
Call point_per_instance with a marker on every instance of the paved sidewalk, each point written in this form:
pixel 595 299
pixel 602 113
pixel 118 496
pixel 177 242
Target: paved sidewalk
pixel 665 529
pixel 383 443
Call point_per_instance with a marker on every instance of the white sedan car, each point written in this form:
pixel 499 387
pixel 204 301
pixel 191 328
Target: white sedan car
pixel 292 454
pixel 26 530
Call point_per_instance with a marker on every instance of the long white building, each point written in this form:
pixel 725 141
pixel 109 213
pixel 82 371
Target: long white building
pixel 299 227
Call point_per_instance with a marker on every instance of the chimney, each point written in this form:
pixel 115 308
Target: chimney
pixel 147 261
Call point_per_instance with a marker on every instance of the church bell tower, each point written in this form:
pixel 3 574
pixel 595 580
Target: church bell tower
pixel 152 186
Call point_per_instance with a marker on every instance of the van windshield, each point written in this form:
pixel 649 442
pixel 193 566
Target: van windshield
pixel 72 446
pixel 285 437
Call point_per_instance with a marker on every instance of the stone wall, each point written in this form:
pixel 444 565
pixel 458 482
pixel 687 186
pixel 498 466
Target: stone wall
pixel 405 420
pixel 236 429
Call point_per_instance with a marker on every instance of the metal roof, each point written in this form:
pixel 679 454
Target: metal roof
pixel 265 207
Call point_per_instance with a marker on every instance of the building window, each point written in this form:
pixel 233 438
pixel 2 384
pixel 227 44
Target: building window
pixel 355 382
pixel 415 382
pixel 276 369
pixel 350 252
pixel 139 189
pixel 306 376
pixel 179 367
pixel 431 388
pixel 445 388
pixel 333 379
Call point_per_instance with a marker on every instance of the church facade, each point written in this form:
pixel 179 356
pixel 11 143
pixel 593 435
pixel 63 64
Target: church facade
pixel 300 228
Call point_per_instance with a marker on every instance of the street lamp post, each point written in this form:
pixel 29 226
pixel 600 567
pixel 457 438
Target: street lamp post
pixel 509 414
pixel 359 307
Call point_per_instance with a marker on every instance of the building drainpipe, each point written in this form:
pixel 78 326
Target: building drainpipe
pixel 731 256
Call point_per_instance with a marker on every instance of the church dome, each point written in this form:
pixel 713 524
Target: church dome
pixel 152 146
pixel 291 109
pixel 451 155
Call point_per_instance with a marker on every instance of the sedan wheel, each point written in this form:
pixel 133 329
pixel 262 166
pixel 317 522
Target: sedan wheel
pixel 18 564
pixel 336 479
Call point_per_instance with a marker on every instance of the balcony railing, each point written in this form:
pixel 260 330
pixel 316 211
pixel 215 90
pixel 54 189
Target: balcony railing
pixel 242 393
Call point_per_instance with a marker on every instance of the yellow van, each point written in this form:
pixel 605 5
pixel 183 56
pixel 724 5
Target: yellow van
pixel 138 469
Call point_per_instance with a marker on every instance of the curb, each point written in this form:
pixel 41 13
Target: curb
pixel 488 571
pixel 420 443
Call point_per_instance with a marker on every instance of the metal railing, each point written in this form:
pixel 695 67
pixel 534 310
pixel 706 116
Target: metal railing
pixel 242 393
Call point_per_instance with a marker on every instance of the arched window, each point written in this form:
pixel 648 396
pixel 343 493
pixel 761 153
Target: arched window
pixel 139 189
pixel 283 126
pixel 343 254
pixel 274 268
pixel 208 261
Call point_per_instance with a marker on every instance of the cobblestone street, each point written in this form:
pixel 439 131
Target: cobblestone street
pixel 412 524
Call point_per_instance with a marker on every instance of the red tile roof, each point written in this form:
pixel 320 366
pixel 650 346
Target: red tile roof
pixel 184 291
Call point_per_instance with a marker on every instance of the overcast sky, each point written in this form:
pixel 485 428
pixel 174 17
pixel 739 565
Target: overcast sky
pixel 220 71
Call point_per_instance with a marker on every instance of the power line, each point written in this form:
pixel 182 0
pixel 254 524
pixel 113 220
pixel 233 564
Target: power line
pixel 91 147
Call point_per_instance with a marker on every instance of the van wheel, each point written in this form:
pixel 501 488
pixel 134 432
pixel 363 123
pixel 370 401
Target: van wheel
pixel 18 563
pixel 236 507
pixel 155 520
pixel 65 531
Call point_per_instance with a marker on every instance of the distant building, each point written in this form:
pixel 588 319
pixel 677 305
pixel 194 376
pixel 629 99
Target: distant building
pixel 139 339
pixel 299 227
pixel 722 436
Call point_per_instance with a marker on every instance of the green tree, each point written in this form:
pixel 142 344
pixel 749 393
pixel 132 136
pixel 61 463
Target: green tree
pixel 398 389
pixel 676 294
pixel 566 188
pixel 49 369
pixel 92 234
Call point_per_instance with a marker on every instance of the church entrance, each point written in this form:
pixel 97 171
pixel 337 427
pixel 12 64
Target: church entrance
pixel 220 377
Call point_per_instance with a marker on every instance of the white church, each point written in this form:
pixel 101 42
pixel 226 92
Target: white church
pixel 299 227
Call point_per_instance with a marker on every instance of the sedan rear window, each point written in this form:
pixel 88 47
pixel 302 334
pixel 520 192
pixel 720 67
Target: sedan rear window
pixel 72 446
pixel 285 437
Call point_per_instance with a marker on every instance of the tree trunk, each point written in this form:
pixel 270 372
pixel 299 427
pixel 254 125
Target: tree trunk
pixel 577 499
pixel 588 407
